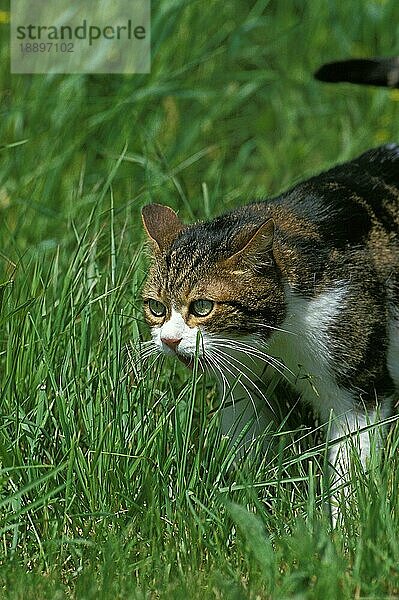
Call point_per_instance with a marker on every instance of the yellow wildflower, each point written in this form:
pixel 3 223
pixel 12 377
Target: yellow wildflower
pixel 4 16
pixel 381 136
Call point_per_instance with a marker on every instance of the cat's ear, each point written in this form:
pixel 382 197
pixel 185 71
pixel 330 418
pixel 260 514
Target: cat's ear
pixel 161 224
pixel 253 241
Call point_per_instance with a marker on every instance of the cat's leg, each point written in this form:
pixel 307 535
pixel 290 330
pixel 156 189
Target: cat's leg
pixel 354 434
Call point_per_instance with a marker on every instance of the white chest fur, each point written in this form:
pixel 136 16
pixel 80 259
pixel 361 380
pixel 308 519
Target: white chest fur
pixel 305 348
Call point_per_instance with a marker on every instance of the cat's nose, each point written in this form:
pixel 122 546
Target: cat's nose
pixel 171 342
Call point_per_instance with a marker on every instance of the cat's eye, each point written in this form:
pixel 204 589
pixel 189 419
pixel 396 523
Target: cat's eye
pixel 156 307
pixel 201 308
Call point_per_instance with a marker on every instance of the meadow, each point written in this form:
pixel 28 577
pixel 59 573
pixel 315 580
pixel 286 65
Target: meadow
pixel 114 479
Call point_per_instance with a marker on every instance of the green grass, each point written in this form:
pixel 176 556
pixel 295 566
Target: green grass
pixel 114 480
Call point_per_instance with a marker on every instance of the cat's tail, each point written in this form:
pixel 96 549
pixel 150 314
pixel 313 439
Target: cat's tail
pixel 366 71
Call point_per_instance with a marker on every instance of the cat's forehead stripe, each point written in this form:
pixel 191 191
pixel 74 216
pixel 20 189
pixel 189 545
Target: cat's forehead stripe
pixel 183 265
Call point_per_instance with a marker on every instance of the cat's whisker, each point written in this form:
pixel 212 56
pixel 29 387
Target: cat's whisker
pixel 241 342
pixel 239 369
pixel 225 360
pixel 218 372
pixel 140 358
pixel 148 347
pixel 134 353
pixel 240 364
pixel 237 380
pixel 221 367
pixel 148 361
pixel 271 327
pixel 145 355
pixel 256 351
pixel 249 350
pixel 223 347
pixel 228 388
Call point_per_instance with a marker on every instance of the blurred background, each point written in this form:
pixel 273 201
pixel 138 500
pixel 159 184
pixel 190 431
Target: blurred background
pixel 229 113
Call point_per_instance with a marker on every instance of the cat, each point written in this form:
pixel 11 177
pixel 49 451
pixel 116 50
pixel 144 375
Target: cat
pixel 367 71
pixel 305 284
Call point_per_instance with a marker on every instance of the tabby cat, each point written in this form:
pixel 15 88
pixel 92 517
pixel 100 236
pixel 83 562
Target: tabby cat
pixel 305 285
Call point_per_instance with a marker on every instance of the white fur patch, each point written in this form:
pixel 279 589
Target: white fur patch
pixel 363 424
pixel 176 328
pixel 306 348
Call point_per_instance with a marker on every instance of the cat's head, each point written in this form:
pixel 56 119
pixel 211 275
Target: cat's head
pixel 210 282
